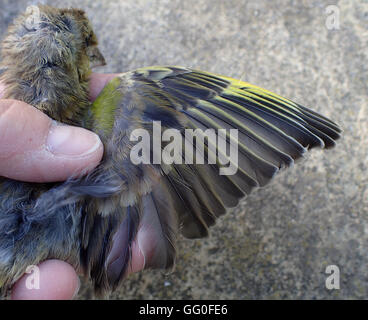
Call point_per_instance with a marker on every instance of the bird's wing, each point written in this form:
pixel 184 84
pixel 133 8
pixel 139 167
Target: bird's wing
pixel 272 133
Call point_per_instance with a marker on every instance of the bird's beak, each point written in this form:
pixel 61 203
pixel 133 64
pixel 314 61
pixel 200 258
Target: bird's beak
pixel 96 58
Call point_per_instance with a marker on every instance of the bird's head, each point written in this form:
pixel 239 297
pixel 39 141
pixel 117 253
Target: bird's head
pixel 47 57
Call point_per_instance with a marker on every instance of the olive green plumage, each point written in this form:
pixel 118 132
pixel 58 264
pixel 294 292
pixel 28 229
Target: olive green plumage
pixel 78 220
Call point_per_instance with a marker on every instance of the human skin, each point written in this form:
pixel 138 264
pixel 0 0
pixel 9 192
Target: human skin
pixel 53 153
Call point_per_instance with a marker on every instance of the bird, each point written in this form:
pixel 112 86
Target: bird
pixel 91 221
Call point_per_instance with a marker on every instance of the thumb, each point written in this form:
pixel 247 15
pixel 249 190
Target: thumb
pixel 35 148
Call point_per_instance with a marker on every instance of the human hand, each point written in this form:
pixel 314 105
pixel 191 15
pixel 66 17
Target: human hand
pixel 34 148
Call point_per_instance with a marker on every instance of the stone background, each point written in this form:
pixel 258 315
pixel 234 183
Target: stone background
pixel 277 244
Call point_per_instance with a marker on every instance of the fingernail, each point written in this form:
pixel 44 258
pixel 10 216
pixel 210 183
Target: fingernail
pixel 71 141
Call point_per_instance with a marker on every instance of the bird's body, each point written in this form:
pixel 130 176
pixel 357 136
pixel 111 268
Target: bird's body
pixel 92 221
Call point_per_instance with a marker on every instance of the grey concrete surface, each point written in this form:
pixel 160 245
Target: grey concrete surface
pixel 280 240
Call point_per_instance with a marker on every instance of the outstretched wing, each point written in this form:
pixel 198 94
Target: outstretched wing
pixel 272 133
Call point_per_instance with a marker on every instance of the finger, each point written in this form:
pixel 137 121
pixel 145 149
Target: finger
pixel 51 280
pixel 97 82
pixel 36 149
